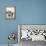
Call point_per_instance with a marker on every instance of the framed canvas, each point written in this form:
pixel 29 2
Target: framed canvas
pixel 32 32
pixel 10 12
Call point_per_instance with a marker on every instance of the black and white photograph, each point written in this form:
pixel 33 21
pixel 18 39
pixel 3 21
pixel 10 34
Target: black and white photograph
pixel 10 13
